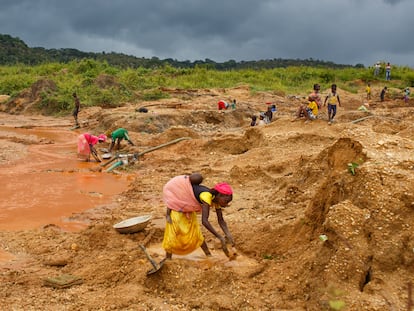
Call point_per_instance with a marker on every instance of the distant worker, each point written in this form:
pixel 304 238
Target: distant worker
pixel 268 115
pixel 233 104
pixel 315 95
pixel 76 109
pixel 222 105
pixel 377 68
pixel 309 111
pixel 262 119
pixel 388 72
pixel 254 121
pixel 332 98
pixel 368 91
pixel 86 143
pixel 406 95
pixel 382 95
pixel 117 136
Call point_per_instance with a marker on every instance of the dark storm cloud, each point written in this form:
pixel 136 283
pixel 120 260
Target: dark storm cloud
pixel 348 32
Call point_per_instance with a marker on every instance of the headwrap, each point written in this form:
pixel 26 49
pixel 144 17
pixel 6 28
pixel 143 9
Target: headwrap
pixel 223 188
pixel 102 137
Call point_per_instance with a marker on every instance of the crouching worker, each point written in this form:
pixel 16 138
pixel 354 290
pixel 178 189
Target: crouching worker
pixel 222 105
pixel 309 111
pixel 185 196
pixel 86 143
pixel 117 136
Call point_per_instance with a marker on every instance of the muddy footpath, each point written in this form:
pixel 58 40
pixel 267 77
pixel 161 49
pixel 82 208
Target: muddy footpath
pixel 322 215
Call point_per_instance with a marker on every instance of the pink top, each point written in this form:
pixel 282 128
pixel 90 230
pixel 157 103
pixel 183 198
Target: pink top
pixel 91 139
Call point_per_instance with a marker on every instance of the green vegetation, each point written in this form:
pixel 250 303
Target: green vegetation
pixel 109 80
pixel 14 51
pixel 335 301
pixel 352 167
pixel 100 84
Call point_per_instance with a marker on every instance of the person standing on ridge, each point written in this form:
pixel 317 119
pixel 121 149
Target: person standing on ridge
pixel 388 72
pixel 76 109
pixel 377 68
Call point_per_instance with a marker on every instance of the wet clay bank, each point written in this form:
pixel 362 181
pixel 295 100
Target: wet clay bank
pixel 42 181
pixel 292 184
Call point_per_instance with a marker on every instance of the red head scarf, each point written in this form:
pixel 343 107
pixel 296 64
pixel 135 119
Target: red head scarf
pixel 223 188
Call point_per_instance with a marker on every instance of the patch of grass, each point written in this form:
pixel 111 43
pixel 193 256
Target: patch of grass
pixel 81 77
pixel 352 167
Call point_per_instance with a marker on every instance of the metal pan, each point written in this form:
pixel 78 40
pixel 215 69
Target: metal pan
pixel 107 155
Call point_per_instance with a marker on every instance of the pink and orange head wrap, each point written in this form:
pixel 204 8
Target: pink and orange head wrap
pixel 223 188
pixel 102 137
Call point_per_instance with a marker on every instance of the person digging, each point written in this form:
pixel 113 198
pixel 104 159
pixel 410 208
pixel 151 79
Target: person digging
pixel 117 136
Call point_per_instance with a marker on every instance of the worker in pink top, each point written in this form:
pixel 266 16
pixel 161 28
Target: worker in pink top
pixel 86 143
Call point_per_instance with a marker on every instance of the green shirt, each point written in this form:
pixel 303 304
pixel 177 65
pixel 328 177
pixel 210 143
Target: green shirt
pixel 120 133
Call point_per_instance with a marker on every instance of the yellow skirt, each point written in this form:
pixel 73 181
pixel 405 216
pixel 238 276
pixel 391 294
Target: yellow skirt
pixel 183 235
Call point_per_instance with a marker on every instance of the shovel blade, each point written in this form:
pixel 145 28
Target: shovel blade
pixel 156 266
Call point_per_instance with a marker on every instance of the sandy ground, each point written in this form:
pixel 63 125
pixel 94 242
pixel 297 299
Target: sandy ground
pixel 309 234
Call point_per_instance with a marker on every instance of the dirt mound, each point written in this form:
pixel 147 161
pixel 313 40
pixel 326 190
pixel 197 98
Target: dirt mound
pixel 24 102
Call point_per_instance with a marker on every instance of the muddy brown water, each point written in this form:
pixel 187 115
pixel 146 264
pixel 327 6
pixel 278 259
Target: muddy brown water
pixel 49 184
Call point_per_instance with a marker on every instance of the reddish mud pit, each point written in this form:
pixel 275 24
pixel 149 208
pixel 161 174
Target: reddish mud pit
pixel 47 184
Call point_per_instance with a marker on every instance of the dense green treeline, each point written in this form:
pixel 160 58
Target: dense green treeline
pixel 14 51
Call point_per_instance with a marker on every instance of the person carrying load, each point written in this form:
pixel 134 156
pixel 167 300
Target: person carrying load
pixel 185 196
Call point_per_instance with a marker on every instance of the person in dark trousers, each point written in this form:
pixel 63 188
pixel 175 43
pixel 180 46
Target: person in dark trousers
pixel 382 95
pixel 332 98
pixel 268 115
pixel 76 109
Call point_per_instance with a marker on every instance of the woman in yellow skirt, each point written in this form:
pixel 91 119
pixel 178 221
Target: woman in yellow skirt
pixel 185 196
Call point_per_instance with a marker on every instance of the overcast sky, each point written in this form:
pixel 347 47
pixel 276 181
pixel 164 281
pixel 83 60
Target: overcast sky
pixel 342 31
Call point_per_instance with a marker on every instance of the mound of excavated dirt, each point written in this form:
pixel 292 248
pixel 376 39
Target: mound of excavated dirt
pixel 322 214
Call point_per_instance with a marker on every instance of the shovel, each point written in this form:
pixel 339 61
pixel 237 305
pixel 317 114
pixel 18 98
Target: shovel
pixel 156 266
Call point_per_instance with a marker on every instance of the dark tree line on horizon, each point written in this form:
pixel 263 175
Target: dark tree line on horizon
pixel 14 51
